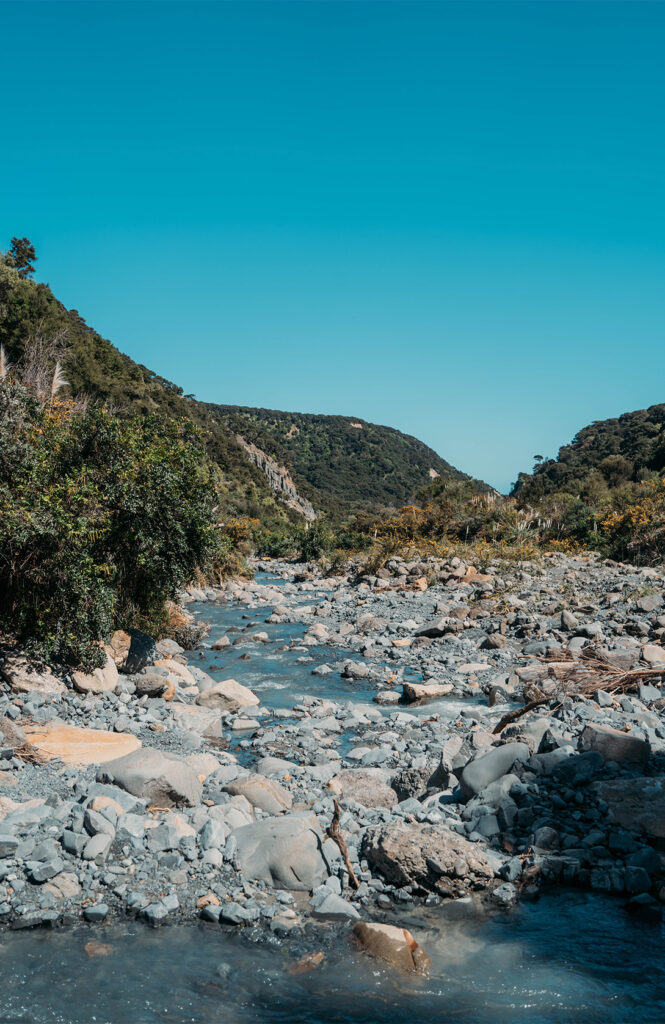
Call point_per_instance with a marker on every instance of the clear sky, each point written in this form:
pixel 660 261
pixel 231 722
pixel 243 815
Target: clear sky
pixel 445 217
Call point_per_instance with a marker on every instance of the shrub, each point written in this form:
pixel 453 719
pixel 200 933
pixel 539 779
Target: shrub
pixel 102 520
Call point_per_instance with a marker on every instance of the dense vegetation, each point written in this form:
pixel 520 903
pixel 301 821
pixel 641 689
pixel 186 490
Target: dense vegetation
pixel 31 316
pixel 340 463
pixel 102 519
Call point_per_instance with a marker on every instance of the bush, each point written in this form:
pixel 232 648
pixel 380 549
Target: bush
pixel 102 520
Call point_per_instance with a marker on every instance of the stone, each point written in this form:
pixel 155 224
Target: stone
pixel 76 746
pixel 367 786
pixel 568 620
pixel 261 792
pixel 142 652
pixel 220 644
pixel 27 677
pixel 428 855
pixel 653 654
pixel 424 691
pixel 204 722
pixel 175 668
pixel 150 684
pixel 434 629
pixel 227 695
pixel 637 804
pixel 332 907
pixel 615 745
pixel 97 848
pixel 8 844
pixel 488 767
pixel 96 913
pixel 163 779
pixel 100 680
pixel 288 852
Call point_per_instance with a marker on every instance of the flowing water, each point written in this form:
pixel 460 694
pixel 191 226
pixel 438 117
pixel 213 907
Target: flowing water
pixel 567 958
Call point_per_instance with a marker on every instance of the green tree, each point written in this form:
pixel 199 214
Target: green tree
pixel 21 256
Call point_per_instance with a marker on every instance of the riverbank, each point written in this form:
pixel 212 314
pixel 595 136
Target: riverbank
pixel 220 802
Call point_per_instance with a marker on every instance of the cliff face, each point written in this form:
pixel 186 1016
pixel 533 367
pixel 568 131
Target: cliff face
pixel 279 479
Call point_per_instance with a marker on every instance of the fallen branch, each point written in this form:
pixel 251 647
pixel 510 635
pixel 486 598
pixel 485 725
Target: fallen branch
pixel 334 833
pixel 592 672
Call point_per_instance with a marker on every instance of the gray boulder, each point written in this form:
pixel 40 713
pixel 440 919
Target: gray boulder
pixel 161 778
pixel 491 766
pixel 289 852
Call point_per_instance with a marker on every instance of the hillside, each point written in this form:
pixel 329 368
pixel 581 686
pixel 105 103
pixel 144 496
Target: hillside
pixel 341 462
pixel 608 453
pixel 271 464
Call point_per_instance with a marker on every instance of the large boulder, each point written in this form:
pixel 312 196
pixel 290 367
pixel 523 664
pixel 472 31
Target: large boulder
pixel 637 804
pixel 395 945
pixel 489 767
pixel 163 779
pixel 367 786
pixel 227 695
pixel 615 745
pixel 288 852
pixel 26 677
pixel 100 680
pixel 261 792
pixel 430 856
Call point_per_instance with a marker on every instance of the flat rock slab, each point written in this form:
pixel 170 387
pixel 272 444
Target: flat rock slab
pixel 163 779
pixel 636 804
pixel 367 786
pixel 425 691
pixel 77 746
pixel 430 856
pixel 289 852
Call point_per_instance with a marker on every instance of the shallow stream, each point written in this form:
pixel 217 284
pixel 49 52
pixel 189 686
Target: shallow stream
pixel 567 958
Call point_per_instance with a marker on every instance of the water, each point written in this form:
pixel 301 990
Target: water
pixel 567 959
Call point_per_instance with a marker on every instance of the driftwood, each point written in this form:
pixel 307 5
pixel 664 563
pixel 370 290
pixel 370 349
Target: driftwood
pixel 334 832
pixel 592 672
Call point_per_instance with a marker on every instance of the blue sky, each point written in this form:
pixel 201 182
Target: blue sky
pixel 449 218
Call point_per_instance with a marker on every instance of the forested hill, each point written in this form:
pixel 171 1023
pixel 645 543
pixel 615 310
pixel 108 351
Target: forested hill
pixel 340 462
pixel 607 453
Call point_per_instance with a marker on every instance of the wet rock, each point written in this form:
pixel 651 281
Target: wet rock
pixel 425 691
pixel 395 945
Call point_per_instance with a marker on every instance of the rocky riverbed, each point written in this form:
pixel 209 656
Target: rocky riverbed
pixel 166 790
